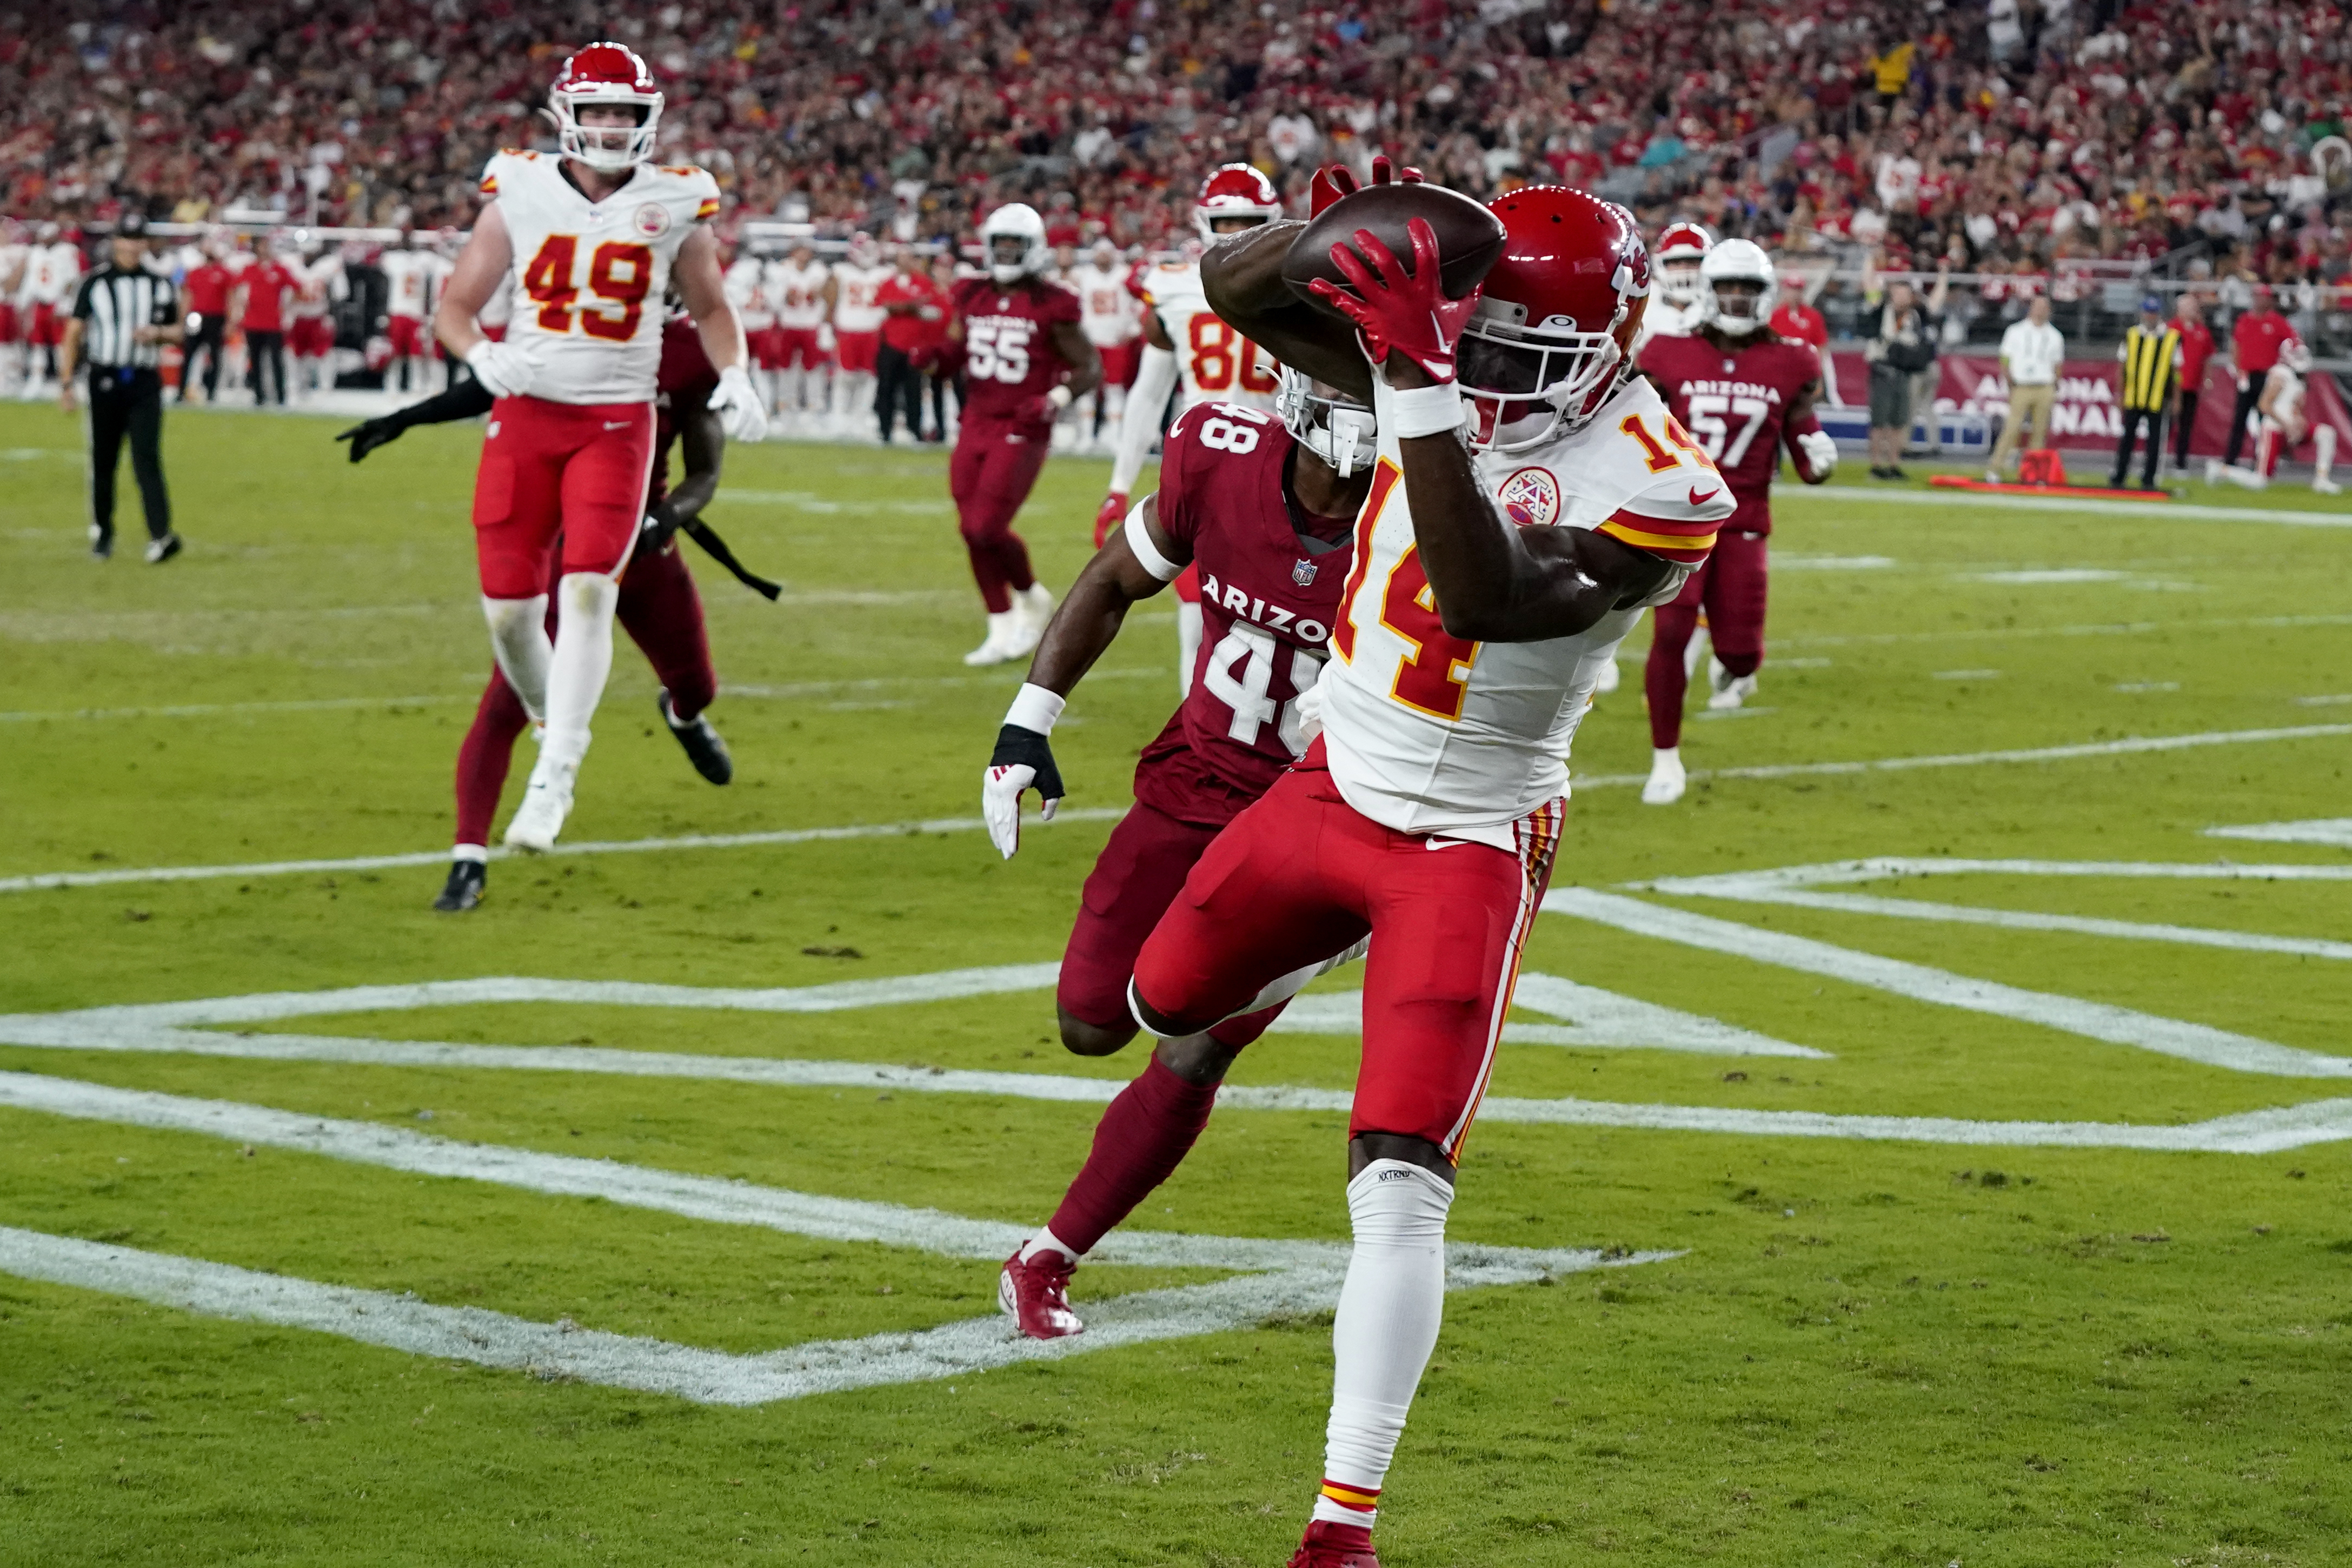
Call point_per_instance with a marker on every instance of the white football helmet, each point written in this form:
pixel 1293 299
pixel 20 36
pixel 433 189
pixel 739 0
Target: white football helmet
pixel 1014 220
pixel 1736 261
pixel 1339 430
pixel 2295 354
pixel 605 74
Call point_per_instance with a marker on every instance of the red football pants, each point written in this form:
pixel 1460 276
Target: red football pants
pixel 573 471
pixel 1730 587
pixel 1301 875
pixel 992 471
pixel 663 615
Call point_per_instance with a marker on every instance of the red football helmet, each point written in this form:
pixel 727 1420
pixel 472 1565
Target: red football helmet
pixel 1553 332
pixel 1236 190
pixel 1680 248
pixel 605 74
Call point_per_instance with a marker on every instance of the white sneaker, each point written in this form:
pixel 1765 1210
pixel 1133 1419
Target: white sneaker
pixel 1003 642
pixel 1033 607
pixel 2322 485
pixel 545 804
pixel 1667 781
pixel 1730 691
pixel 1610 677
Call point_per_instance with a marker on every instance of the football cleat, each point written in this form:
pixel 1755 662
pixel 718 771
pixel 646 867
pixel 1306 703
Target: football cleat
pixel 1730 691
pixel 1666 781
pixel 1031 607
pixel 464 888
pixel 162 550
pixel 2327 487
pixel 1003 640
pixel 101 543
pixel 704 748
pixel 1329 1545
pixel 1036 1295
pixel 544 806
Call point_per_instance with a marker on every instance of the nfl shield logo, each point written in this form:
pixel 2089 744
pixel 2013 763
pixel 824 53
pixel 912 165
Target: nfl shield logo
pixel 1303 572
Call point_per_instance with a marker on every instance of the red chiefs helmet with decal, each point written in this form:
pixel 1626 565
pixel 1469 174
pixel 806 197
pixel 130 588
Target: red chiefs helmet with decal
pixel 1681 247
pixel 605 75
pixel 1553 333
pixel 1236 190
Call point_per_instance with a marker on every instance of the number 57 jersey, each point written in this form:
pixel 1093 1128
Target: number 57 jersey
pixel 1431 733
pixel 589 276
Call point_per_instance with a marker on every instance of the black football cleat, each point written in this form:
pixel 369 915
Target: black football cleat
pixel 162 550
pixel 467 879
pixel 703 747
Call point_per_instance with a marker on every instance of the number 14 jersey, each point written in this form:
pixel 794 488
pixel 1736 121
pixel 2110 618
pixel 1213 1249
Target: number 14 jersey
pixel 589 276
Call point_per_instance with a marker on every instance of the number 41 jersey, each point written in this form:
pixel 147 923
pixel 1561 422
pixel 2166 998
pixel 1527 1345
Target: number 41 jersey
pixel 589 276
pixel 1268 597
pixel 1428 733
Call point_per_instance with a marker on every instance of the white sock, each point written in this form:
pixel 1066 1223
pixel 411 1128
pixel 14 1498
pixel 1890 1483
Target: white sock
pixel 2323 440
pixel 478 854
pixel 1188 645
pixel 582 660
pixel 1047 1241
pixel 1386 1327
pixel 518 642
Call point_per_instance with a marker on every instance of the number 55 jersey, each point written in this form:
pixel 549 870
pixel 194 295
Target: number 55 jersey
pixel 1010 360
pixel 1431 733
pixel 589 276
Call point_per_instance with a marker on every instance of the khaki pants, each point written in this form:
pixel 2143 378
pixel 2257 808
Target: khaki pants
pixel 2027 404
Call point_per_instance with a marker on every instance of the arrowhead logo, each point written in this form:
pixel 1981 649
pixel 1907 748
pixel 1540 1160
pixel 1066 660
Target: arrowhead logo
pixel 1698 500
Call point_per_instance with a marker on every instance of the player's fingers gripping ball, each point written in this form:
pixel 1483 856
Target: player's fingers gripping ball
pixel 1396 309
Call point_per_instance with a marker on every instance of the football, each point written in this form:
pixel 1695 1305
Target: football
pixel 1469 237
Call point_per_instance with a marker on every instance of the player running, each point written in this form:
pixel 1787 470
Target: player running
pixel 1112 321
pixel 1492 577
pixel 1744 392
pixel 2286 421
pixel 1264 509
pixel 1024 361
pixel 591 239
pixel 659 605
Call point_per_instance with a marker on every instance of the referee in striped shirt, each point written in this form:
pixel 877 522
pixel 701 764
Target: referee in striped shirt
pixel 123 315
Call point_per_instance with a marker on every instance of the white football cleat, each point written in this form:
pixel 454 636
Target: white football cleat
pixel 2322 485
pixel 1729 690
pixel 1666 781
pixel 545 804
pixel 1003 642
pixel 1033 607
pixel 1609 679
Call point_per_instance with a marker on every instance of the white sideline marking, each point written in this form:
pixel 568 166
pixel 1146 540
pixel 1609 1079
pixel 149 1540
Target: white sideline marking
pixel 1602 1019
pixel 2096 1020
pixel 2097 629
pixel 1832 563
pixel 2038 576
pixel 2336 831
pixel 1881 868
pixel 209 710
pixel 1998 502
pixel 2335 700
pixel 1968 675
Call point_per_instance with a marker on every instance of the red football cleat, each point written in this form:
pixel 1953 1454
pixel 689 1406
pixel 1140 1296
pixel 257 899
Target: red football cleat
pixel 1329 1545
pixel 1036 1295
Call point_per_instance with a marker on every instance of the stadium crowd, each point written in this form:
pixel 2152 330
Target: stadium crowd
pixel 2032 139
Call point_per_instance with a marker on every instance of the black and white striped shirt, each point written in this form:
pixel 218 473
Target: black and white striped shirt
pixel 113 303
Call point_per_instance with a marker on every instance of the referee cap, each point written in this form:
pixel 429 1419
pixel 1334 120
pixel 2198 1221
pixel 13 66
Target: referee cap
pixel 2153 304
pixel 132 224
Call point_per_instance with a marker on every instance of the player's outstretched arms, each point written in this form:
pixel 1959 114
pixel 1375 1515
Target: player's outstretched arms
pixel 466 400
pixel 1241 276
pixel 1135 562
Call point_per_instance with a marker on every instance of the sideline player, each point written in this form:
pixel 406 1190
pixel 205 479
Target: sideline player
pixel 1745 392
pixel 1024 361
pixel 1110 318
pixel 1676 310
pixel 50 274
pixel 409 272
pixel 2284 422
pixel 592 238
pixel 310 327
pixel 801 292
pixel 1265 509
pixel 1492 577
pixel 856 334
pixel 747 292
pixel 659 605
pixel 1189 348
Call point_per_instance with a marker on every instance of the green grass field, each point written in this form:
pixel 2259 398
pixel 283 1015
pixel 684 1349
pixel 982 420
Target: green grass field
pixel 2077 1317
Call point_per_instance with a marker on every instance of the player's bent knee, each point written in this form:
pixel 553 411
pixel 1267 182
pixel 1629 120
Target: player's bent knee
pixel 1199 1059
pixel 1163 1026
pixel 1082 1038
pixel 1413 1149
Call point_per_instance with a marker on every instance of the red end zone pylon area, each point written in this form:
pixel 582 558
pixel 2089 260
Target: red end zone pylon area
pixel 2039 473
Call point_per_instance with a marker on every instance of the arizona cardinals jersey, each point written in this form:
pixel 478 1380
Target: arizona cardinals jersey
pixel 1106 311
pixel 1268 597
pixel 589 276
pixel 1736 400
pixel 799 294
pixel 1212 359
pixel 1428 733
pixel 854 310
pixel 1008 345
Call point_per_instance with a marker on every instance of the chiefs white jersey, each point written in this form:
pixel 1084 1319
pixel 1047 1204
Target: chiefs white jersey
pixel 743 292
pixel 50 273
pixel 1212 361
pixel 1429 733
pixel 321 282
pixel 854 310
pixel 589 276
pixel 410 275
pixel 1107 312
pixel 12 260
pixel 798 294
pixel 2286 398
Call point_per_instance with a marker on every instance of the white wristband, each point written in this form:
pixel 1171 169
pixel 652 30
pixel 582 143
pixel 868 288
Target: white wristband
pixel 1034 707
pixel 1425 410
pixel 1147 554
pixel 1060 396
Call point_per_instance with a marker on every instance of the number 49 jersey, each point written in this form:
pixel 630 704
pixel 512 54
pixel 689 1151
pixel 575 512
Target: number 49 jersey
pixel 1212 359
pixel 1267 598
pixel 1735 403
pixel 1428 733
pixel 589 276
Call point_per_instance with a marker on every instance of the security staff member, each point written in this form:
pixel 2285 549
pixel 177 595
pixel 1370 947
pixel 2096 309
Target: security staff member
pixel 2150 353
pixel 123 315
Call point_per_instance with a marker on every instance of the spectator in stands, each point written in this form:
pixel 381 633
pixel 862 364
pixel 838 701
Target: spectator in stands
pixel 1900 344
pixel 2195 353
pixel 2032 355
pixel 2254 341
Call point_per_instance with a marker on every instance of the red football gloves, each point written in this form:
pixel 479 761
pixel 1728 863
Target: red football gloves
pixel 1336 180
pixel 1113 513
pixel 1396 312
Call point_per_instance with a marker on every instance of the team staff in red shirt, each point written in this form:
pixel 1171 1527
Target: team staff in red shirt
pixel 2254 344
pixel 1793 318
pixel 2196 351
pixel 913 308
pixel 205 290
pixel 263 288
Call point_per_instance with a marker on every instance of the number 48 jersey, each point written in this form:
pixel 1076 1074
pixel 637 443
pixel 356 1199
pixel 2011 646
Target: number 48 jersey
pixel 1428 733
pixel 1212 359
pixel 589 276
pixel 1735 403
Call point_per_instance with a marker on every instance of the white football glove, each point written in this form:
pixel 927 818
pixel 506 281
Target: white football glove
pixel 740 412
pixel 504 369
pixel 1023 760
pixel 1309 706
pixel 1821 452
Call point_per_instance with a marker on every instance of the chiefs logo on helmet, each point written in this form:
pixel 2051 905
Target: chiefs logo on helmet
pixel 605 75
pixel 1235 191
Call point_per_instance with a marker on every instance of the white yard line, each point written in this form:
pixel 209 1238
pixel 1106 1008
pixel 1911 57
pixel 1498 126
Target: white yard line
pixel 1897 501
pixel 1601 1020
pixel 2096 1020
pixel 1887 867
pixel 2332 831
pixel 212 709
pixel 2094 629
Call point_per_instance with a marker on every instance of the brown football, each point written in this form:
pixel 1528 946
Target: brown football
pixel 1469 237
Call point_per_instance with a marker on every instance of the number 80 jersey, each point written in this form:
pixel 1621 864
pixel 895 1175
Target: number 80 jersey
pixel 589 276
pixel 1212 359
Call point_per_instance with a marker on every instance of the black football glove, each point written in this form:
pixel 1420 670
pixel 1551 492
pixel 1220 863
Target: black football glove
pixel 366 437
pixel 1024 761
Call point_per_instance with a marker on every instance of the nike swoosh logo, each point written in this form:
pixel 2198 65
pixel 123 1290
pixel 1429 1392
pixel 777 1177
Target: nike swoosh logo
pixel 625 424
pixel 1695 499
